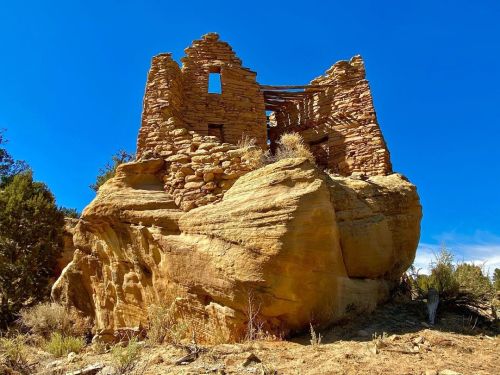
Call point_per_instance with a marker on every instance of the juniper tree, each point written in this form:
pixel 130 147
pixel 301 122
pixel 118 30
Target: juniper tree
pixel 30 242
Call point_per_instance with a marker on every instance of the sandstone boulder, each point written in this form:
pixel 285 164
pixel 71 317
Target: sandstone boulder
pixel 287 241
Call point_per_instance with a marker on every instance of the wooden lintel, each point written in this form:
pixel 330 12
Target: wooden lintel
pixel 295 87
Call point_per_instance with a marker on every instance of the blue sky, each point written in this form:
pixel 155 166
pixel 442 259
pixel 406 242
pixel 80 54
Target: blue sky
pixel 72 76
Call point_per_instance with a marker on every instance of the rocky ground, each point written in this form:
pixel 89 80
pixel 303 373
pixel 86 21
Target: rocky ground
pixel 392 340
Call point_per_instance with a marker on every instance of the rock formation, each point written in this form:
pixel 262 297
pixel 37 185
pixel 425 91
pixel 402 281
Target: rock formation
pixel 196 222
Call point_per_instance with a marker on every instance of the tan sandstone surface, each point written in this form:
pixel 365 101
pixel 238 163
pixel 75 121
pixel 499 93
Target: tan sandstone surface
pixel 307 247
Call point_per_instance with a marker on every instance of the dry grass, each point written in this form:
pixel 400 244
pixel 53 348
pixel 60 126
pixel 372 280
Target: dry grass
pixel 179 321
pixel 46 318
pixel 315 338
pixel 402 345
pixel 252 155
pixel 291 145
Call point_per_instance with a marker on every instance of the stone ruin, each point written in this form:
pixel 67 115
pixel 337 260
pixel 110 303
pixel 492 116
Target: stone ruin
pixel 198 131
pixel 196 225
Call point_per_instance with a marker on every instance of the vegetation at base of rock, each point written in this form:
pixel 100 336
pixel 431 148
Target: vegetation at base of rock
pixel 252 155
pixel 170 324
pixel 60 345
pixel 109 169
pixel 457 283
pixel 315 338
pixel 291 145
pixel 161 323
pixel 31 228
pixel 125 357
pixel 46 318
pixel 14 355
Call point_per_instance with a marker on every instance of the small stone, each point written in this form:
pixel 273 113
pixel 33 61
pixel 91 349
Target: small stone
pixel 201 159
pixel 192 178
pixel 180 158
pixel 178 132
pixel 207 146
pixel 418 340
pixel 91 370
pixel 431 372
pixel 226 184
pixel 209 186
pixel 193 185
pixel 201 152
pixel 251 359
pixel 207 177
pixel 214 170
pixel 186 170
pixel 449 372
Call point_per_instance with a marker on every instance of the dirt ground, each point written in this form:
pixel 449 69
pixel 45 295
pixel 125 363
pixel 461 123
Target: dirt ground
pixel 392 340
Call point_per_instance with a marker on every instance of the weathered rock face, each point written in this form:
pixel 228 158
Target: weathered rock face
pixel 303 245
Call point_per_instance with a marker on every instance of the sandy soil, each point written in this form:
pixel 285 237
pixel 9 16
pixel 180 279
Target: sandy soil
pixel 392 340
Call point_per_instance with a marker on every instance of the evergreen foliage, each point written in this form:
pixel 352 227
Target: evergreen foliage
pixel 109 169
pixel 30 242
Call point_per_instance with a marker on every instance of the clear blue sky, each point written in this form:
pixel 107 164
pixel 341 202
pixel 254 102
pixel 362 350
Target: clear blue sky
pixel 72 76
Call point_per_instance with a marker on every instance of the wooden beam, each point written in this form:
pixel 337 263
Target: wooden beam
pixel 295 87
pixel 287 93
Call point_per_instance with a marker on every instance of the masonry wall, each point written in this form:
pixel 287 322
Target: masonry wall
pixel 239 109
pixel 339 123
pixel 177 110
pixel 162 109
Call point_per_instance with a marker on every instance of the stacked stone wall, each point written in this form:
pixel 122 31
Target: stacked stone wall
pixel 339 122
pixel 239 108
pixel 162 109
pixel 178 109
pixel 203 169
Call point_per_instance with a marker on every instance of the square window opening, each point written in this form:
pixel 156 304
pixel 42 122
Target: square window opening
pixel 214 83
pixel 216 130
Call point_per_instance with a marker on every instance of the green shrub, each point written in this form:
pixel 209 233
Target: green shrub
pixel 496 279
pixel 60 345
pixel 31 227
pixel 14 354
pixel 461 284
pixel 474 282
pixel 442 277
pixel 125 357
pixel 110 168
pixel 8 166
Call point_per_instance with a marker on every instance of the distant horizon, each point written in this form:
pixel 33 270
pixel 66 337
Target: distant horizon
pixel 72 78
